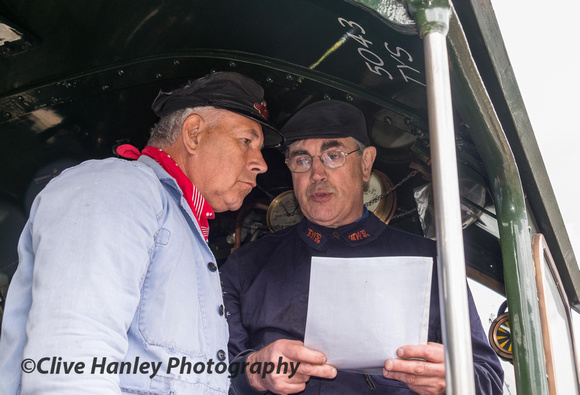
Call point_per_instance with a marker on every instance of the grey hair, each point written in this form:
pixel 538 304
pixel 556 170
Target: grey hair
pixel 166 132
pixel 361 147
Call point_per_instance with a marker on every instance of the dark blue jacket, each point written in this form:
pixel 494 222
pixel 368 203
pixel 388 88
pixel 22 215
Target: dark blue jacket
pixel 266 285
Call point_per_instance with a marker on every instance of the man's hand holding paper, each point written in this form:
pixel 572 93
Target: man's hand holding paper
pixel 304 363
pixel 421 367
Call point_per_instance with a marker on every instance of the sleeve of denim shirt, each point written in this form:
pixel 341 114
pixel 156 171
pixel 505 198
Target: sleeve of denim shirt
pixel 91 234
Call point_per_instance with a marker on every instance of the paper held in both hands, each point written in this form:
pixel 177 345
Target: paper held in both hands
pixel 361 310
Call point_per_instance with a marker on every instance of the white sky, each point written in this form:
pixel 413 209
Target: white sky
pixel 542 45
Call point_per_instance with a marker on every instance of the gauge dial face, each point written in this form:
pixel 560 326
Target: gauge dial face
pixel 382 207
pixel 500 336
pixel 283 212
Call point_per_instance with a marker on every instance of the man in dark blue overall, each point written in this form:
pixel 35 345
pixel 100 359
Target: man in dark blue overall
pixel 266 283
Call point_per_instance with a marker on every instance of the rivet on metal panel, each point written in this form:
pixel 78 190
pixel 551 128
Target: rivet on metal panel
pixel 7 115
pixel 269 80
pixel 417 132
pixel 326 96
pixel 105 87
pixel 121 72
pixel 387 120
pixel 289 77
pixel 20 98
pixel 158 75
pixel 212 71
pixel 233 64
pixel 176 62
pixel 349 98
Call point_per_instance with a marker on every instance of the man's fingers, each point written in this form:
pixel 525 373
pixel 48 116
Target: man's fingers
pixel 280 383
pixel 413 367
pixel 296 350
pixel 422 368
pixel 294 365
pixel 420 384
pixel 432 352
pixel 323 371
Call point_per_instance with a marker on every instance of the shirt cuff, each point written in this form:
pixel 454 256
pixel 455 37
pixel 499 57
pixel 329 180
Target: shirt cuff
pixel 240 385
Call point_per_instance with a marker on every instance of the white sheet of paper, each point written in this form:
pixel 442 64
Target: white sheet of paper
pixel 361 310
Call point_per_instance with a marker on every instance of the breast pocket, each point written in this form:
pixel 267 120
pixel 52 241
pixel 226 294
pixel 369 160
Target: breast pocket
pixel 170 312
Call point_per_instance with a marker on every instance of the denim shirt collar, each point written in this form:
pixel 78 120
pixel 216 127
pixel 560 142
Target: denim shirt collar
pixel 160 173
pixel 171 186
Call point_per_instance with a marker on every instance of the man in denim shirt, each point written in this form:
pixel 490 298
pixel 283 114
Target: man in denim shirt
pixel 266 283
pixel 117 290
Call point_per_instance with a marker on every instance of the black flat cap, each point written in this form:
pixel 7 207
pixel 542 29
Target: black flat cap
pixel 224 90
pixel 326 119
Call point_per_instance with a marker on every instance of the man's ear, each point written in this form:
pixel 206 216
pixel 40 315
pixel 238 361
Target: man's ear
pixel 368 158
pixel 190 132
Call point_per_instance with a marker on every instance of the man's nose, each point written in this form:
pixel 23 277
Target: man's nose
pixel 317 170
pixel 257 163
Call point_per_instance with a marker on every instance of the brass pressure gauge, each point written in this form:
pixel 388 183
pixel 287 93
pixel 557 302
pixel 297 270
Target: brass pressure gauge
pixel 500 336
pixel 380 197
pixel 283 212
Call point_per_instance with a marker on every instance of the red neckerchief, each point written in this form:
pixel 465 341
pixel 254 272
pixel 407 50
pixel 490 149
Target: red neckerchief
pixel 201 209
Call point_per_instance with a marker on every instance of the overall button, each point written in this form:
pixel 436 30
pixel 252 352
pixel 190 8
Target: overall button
pixel 212 266
pixel 336 234
pixel 221 354
pixel 221 309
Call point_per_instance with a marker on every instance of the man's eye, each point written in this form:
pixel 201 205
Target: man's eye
pixel 333 155
pixel 302 160
pixel 246 141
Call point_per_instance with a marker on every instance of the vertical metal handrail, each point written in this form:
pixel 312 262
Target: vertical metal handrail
pixel 432 18
pixel 451 262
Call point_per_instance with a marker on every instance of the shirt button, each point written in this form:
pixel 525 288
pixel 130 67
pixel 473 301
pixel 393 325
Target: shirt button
pixel 212 266
pixel 221 354
pixel 336 234
pixel 221 309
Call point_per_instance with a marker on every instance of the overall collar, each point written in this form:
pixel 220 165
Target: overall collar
pixel 366 229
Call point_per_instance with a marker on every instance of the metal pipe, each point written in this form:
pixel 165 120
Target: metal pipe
pixel 451 258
